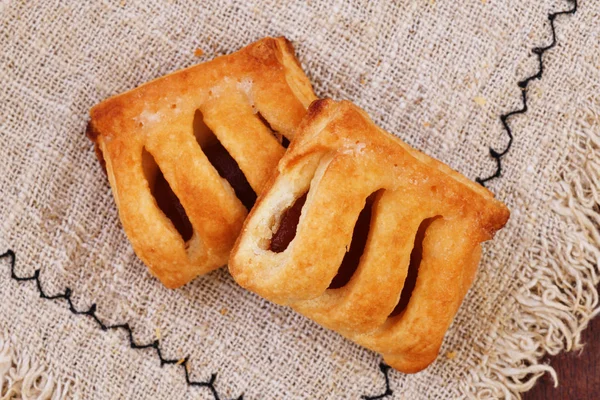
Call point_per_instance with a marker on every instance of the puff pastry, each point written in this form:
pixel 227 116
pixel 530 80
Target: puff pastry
pixel 187 153
pixel 366 236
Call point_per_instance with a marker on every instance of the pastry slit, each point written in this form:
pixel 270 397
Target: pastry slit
pixel 413 269
pixel 287 227
pixel 353 254
pixel 223 162
pixel 166 200
pixel 283 141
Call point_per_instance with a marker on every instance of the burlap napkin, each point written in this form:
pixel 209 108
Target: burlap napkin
pixel 437 73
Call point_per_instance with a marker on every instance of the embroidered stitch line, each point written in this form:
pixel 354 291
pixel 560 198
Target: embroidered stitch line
pixel 385 369
pixel 91 312
pixel 539 51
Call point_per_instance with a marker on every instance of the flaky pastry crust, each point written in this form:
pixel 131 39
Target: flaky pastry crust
pixel 151 127
pixel 341 158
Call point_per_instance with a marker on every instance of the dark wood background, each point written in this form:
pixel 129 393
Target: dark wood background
pixel 578 373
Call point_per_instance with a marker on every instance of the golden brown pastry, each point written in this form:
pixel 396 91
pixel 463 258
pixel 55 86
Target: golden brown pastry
pixel 186 154
pixel 366 236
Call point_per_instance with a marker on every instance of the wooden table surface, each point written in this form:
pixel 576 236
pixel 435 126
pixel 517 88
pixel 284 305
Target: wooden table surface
pixel 578 374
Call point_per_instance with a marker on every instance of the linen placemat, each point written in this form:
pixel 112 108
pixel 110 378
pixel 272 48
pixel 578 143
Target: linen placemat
pixel 439 74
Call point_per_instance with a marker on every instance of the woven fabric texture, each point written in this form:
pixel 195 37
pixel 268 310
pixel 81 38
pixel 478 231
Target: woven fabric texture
pixel 436 73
